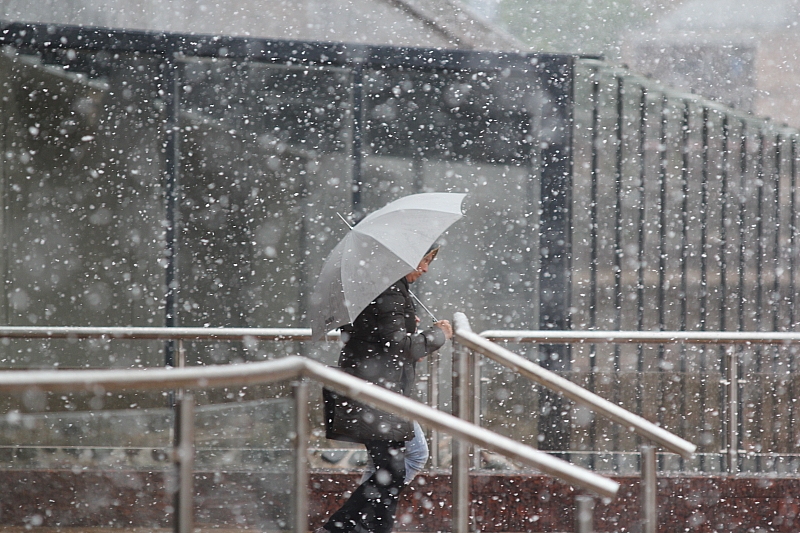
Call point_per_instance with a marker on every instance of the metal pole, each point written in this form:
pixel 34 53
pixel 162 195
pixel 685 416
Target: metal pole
pixel 732 446
pixel 475 365
pixel 433 401
pixel 358 91
pixel 460 476
pixel 171 183
pixel 181 354
pixel 584 514
pixel 649 490
pixel 183 458
pixel 300 502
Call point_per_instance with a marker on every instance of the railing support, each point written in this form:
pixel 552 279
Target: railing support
pixel 433 401
pixel 584 514
pixel 649 489
pixel 460 474
pixel 732 444
pixel 301 433
pixel 475 367
pixel 292 368
pixel 183 458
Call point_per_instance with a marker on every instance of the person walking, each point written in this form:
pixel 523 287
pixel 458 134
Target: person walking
pixel 381 346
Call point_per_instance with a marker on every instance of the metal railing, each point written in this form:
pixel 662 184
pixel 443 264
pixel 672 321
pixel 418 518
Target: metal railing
pixel 731 381
pixel 466 338
pixel 292 368
pixel 159 333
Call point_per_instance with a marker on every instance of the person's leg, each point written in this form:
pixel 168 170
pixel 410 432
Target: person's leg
pixel 371 508
pixel 416 456
pixel 416 453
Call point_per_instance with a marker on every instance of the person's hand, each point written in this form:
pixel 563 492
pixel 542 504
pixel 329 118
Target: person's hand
pixel 445 326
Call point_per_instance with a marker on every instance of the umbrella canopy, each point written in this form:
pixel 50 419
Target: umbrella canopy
pixel 376 252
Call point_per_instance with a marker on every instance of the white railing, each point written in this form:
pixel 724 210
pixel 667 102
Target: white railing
pixel 465 337
pixel 291 368
pixel 730 338
pixel 159 333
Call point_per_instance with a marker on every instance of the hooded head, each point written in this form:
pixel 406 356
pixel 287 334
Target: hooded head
pixel 423 264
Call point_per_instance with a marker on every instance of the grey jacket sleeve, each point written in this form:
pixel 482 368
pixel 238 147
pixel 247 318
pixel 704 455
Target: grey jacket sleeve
pixel 423 343
pixel 391 326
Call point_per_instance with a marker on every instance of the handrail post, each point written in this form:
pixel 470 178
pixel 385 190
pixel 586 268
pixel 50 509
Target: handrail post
pixel 183 458
pixel 584 514
pixel 433 401
pixel 649 489
pixel 460 476
pixel 301 433
pixel 475 366
pixel 732 446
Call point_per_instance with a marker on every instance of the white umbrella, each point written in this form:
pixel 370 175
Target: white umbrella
pixel 376 252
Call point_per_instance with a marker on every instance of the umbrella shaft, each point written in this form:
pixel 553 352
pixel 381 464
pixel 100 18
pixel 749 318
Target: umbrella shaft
pixel 423 305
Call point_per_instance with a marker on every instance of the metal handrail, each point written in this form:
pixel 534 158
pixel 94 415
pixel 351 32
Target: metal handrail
pixel 731 380
pixel 478 343
pixel 295 367
pixel 642 337
pixel 574 392
pixel 159 333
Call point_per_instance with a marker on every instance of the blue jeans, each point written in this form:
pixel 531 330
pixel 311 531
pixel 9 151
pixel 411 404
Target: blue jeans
pixel 416 456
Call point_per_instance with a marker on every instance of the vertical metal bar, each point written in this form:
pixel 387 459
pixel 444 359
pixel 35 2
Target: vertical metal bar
pixel 641 214
pixel 742 221
pixel 649 489
pixel 584 514
pixel 792 238
pixel 616 394
pixel 181 354
pixel 662 220
pixel 684 259
pixel 761 252
pixel 170 85
pixel 460 476
pixel 732 444
pixel 593 208
pixel 735 370
pixel 418 166
pixel 475 365
pixel 6 114
pixel 757 419
pixel 685 161
pixel 723 282
pixel 776 265
pixel 704 230
pixel 618 217
pixel 593 252
pixel 662 239
pixel 640 258
pixel 792 273
pixel 433 400
pixel 301 436
pixel 358 103
pixel 183 457
pixel 704 246
pixel 555 239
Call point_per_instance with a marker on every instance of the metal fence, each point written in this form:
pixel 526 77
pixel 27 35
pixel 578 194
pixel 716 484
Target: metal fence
pixel 210 171
pixel 295 368
pixel 684 218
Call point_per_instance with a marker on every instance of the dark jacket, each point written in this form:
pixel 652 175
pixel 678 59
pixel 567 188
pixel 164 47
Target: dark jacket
pixel 382 347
